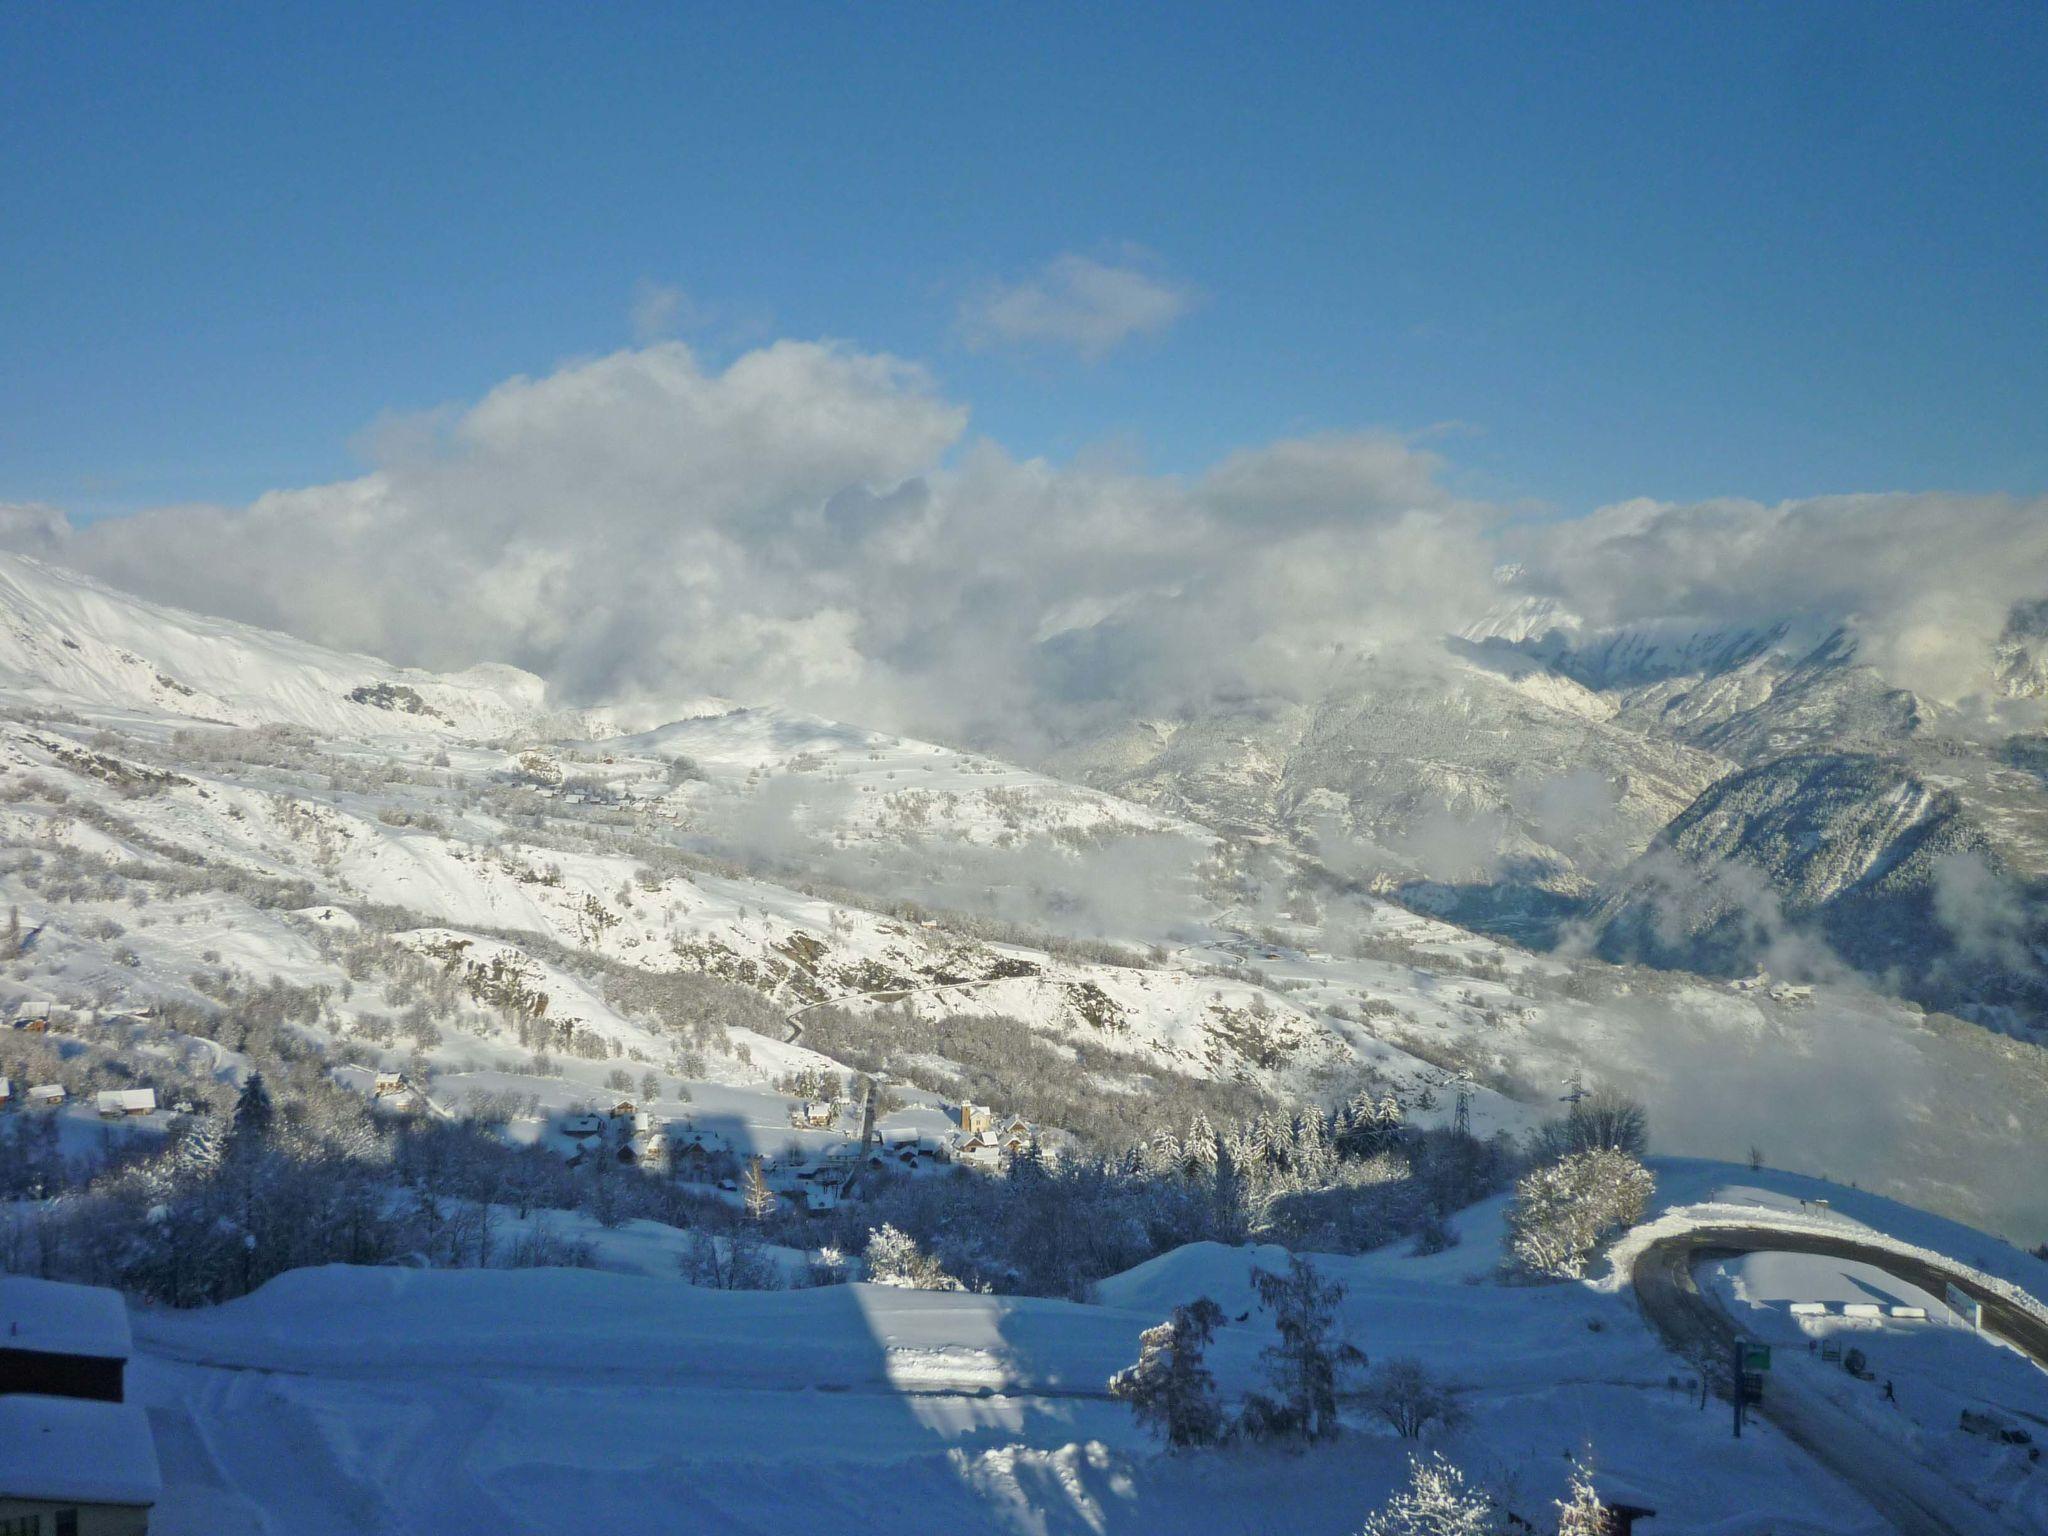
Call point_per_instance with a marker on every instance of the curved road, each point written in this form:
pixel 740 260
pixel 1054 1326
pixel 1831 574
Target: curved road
pixel 1697 1327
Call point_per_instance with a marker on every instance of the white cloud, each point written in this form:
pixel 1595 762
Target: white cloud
pixel 1076 302
pixel 798 526
pixel 809 524
pixel 1924 581
pixel 33 527
pixel 660 310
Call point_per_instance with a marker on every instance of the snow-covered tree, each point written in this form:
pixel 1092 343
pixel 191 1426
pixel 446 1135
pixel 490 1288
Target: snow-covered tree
pixel 1564 1210
pixel 893 1258
pixel 1437 1502
pixel 1581 1513
pixel 1170 1389
pixel 254 1114
pixel 754 1189
pixel 1307 1360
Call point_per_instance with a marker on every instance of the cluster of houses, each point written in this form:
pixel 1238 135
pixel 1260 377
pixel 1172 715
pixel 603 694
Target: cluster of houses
pixel 112 1103
pixel 984 1140
pixel 808 1178
pixel 74 1456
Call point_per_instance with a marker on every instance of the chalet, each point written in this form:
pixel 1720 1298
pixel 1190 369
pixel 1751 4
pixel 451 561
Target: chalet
pixel 45 1095
pixel 624 1110
pixel 114 1103
pixel 817 1114
pixel 981 1151
pixel 693 1150
pixel 388 1083
pixel 77 1467
pixel 582 1125
pixel 975 1117
pixel 62 1340
pixel 36 1024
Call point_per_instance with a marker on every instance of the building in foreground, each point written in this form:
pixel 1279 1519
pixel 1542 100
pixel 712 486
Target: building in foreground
pixel 75 1460
pixel 76 1467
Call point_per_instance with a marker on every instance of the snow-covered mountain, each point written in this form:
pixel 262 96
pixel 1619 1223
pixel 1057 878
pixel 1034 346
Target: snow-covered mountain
pixel 504 898
pixel 1482 782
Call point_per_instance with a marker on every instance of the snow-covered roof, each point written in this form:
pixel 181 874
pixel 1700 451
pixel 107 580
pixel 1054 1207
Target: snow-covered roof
pixel 52 1317
pixel 127 1100
pixel 72 1449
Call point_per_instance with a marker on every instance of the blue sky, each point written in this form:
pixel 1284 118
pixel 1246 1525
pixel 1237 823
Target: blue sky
pixel 1605 252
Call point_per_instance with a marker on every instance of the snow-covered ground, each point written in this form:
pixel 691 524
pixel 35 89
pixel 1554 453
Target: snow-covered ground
pixel 401 1400
pixel 1924 1375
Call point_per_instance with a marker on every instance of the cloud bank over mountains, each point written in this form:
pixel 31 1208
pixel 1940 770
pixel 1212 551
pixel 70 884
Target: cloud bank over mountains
pixel 817 525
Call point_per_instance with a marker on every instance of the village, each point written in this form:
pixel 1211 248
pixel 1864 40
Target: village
pixel 808 1150
pixel 809 1172
pixel 127 1102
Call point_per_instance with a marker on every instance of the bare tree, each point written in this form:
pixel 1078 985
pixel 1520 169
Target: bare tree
pixel 1403 1393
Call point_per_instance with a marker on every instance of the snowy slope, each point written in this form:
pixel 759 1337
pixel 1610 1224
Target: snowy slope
pixel 154 861
pixel 415 1401
pixel 71 642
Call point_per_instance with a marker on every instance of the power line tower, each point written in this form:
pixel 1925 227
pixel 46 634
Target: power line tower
pixel 1461 1117
pixel 1574 1088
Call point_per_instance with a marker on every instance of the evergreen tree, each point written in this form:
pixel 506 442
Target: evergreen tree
pixel 254 1116
pixel 1170 1389
pixel 1306 1362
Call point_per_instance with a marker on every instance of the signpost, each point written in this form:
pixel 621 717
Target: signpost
pixel 1750 1362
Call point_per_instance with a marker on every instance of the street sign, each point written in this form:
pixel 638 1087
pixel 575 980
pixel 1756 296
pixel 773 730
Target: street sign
pixel 1749 1361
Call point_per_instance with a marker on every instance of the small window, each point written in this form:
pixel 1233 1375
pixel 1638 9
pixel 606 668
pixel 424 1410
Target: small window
pixel 67 1522
pixel 32 1525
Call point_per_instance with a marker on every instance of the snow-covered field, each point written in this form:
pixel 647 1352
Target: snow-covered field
pixel 342 1399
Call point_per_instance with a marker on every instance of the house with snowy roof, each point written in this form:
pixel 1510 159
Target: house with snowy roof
pixel 114 1103
pixel 62 1340
pixel 975 1117
pixel 76 1466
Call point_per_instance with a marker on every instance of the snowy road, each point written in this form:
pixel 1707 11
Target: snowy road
pixel 1915 1497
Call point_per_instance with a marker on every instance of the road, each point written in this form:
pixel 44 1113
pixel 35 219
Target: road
pixel 1905 1493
